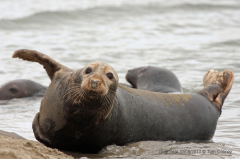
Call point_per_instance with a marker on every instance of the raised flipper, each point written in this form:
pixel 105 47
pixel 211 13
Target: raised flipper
pixel 50 65
pixel 217 86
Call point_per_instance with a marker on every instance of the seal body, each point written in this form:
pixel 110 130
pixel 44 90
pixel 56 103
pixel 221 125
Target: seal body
pixel 136 116
pixel 87 109
pixel 156 79
pixel 21 88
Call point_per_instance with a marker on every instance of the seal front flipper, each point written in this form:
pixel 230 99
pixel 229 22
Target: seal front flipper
pixel 50 65
pixel 217 86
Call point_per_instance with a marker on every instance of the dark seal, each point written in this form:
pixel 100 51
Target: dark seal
pixel 156 79
pixel 86 110
pixel 21 88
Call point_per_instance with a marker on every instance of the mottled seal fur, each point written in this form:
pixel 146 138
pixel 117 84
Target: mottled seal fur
pixel 21 88
pixel 156 79
pixel 86 109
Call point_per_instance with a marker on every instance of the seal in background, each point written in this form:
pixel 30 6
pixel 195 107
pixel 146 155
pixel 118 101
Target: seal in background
pixel 156 79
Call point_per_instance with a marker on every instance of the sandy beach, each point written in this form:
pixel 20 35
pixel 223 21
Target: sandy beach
pixel 14 148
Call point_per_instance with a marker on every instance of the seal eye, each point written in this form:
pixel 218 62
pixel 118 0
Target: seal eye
pixel 110 75
pixel 88 70
pixel 13 90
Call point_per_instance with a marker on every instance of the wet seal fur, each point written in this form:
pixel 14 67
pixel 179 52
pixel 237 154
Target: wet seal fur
pixel 86 109
pixel 156 79
pixel 20 88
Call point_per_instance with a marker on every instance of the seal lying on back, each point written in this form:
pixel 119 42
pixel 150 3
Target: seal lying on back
pixel 86 109
pixel 154 79
pixel 21 88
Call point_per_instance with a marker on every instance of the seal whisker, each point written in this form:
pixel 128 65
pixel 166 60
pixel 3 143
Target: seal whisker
pixel 67 93
pixel 112 94
pixel 103 100
pixel 107 99
pixel 110 97
pixel 72 94
pixel 76 95
pixel 80 95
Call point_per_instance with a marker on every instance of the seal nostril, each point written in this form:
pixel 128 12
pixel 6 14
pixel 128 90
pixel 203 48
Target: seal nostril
pixel 94 82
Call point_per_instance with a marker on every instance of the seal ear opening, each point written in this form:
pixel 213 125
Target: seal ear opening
pixel 50 65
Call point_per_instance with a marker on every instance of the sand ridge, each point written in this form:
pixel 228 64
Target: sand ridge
pixel 12 148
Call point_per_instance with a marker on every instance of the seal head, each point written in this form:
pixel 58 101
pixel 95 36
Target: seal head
pixel 97 78
pixel 21 88
pixel 93 88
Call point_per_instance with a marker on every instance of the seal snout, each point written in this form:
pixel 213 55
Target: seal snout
pixel 94 83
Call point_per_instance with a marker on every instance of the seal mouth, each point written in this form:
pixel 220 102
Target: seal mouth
pixel 94 90
pixel 77 94
pixel 93 93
